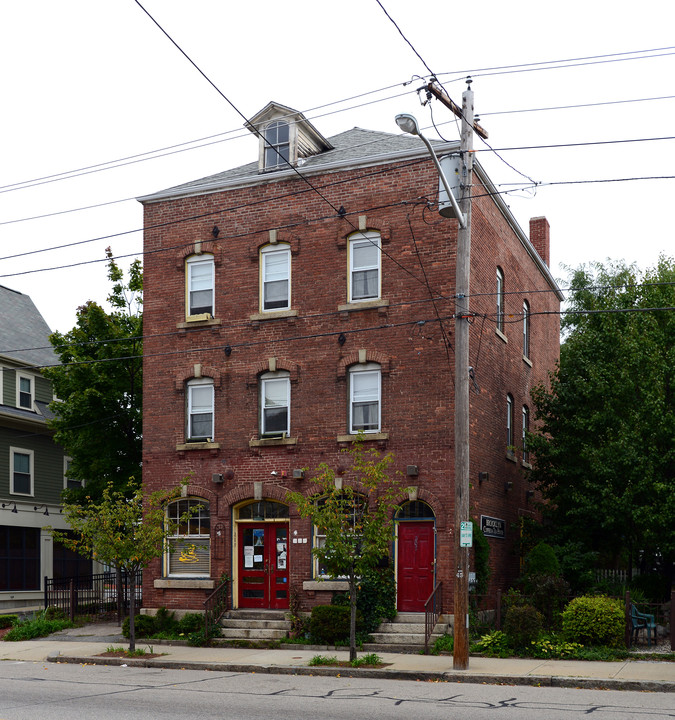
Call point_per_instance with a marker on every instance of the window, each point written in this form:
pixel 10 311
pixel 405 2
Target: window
pixel 275 403
pixel 364 264
pixel 25 391
pixel 526 429
pixel 364 398
pixel 200 409
pixel 21 471
pixel 189 546
pixel 526 329
pixel 509 423
pixel 350 506
pixel 200 285
pixel 19 558
pixel 68 482
pixel 500 299
pixel 277 145
pixel 276 277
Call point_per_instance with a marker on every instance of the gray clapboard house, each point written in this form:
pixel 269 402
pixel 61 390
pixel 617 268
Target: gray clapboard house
pixel 32 467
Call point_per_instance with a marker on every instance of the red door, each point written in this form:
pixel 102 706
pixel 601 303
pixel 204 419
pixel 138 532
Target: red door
pixel 263 566
pixel 415 577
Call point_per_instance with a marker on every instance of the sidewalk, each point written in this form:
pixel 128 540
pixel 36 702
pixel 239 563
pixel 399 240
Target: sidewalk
pixel 82 645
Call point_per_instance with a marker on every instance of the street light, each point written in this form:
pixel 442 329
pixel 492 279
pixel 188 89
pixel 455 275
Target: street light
pixel 408 124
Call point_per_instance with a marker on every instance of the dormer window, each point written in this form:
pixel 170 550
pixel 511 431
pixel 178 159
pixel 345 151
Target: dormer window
pixel 277 145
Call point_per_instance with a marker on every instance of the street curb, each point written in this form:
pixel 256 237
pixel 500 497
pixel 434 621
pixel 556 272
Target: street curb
pixel 385 674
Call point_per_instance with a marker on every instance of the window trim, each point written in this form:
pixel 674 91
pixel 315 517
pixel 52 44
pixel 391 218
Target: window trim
pixel 274 377
pixel 77 484
pixel 526 329
pixel 13 451
pixel 190 262
pixel 198 383
pixel 509 423
pixel 365 368
pixel 279 161
pixel 184 538
pixel 500 299
pixel 265 252
pixel 526 429
pixel 360 239
pixel 31 380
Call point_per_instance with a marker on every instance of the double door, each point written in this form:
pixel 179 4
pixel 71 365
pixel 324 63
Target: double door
pixel 263 566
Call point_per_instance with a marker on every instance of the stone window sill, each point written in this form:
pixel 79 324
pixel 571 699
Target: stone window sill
pixel 364 305
pixel 276 315
pixel 365 436
pixel 198 323
pixel 501 335
pixel 527 360
pixel 511 456
pixel 325 585
pixel 272 442
pixel 198 446
pixel 526 465
pixel 185 584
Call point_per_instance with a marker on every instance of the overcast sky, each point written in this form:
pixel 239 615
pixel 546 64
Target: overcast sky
pixel 86 83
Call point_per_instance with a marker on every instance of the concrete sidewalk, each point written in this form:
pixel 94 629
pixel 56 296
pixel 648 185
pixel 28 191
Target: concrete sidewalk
pixel 83 645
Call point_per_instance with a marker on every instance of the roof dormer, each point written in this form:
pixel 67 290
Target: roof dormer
pixel 285 137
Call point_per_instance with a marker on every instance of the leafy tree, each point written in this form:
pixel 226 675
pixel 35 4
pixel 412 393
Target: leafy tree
pixel 605 457
pixel 356 520
pixel 121 531
pixel 98 386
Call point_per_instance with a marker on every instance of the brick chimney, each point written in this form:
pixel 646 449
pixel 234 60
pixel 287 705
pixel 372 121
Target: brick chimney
pixel 540 237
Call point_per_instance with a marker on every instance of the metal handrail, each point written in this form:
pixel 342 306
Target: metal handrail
pixel 432 611
pixel 215 605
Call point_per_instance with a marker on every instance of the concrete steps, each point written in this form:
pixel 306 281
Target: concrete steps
pixel 254 625
pixel 404 634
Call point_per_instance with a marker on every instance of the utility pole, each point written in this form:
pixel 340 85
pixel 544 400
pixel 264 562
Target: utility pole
pixel 462 273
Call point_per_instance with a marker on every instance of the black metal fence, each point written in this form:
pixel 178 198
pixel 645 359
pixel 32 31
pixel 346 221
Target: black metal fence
pixel 97 594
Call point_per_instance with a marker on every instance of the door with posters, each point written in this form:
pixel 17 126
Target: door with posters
pixel 415 556
pixel 263 566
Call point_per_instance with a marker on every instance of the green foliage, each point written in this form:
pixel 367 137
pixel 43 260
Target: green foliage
pixel 145 626
pixel 39 626
pixel 604 455
pixel 329 624
pixel 594 621
pixel 554 647
pixel 445 643
pixel 494 644
pixel 200 638
pixel 189 623
pixel 577 565
pixel 370 659
pixel 654 586
pixel 99 386
pixel 523 625
pixel 8 620
pixel 376 597
pixel 481 559
pixel 355 517
pixel 323 660
pixel 542 560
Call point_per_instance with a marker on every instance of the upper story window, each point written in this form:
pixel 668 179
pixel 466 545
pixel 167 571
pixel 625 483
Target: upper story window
pixel 364 398
pixel 21 471
pixel 189 546
pixel 275 403
pixel 275 272
pixel 526 329
pixel 200 285
pixel 526 429
pixel 200 409
pixel 509 422
pixel 25 391
pixel 277 145
pixel 68 482
pixel 500 300
pixel 364 266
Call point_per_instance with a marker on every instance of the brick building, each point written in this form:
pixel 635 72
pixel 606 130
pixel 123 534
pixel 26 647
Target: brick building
pixel 289 305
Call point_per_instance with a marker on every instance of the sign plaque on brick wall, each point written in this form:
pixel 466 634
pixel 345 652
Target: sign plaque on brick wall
pixel 493 527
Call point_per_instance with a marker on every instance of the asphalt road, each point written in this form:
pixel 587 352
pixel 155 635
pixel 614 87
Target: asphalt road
pixel 33 691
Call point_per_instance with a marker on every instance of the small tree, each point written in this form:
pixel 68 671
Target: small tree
pixel 356 520
pixel 121 532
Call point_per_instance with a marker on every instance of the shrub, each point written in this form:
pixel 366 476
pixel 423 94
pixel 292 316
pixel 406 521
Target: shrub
pixel 594 621
pixel 190 623
pixel 144 625
pixel 542 560
pixel 329 624
pixel 38 627
pixel 522 625
pixel 165 620
pixel 494 644
pixel 481 559
pixel 8 620
pixel 376 599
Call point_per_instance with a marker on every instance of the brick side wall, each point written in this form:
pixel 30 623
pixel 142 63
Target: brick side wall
pixel 405 337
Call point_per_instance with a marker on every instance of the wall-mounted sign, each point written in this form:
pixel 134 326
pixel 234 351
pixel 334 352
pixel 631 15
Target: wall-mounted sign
pixel 493 527
pixel 465 534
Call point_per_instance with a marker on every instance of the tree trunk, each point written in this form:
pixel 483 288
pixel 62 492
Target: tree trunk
pixel 352 619
pixel 120 595
pixel 132 610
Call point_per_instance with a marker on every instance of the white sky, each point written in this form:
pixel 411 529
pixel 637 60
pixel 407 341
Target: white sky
pixel 85 83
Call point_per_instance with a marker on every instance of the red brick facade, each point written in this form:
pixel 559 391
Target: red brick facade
pixel 401 333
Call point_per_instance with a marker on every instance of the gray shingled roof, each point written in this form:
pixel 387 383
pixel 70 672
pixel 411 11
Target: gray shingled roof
pixel 24 335
pixel 355 145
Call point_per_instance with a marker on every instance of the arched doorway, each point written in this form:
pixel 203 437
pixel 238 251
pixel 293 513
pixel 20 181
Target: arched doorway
pixel 260 544
pixel 415 555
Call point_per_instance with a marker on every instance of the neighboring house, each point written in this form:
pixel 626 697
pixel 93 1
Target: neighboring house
pixel 32 467
pixel 286 310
